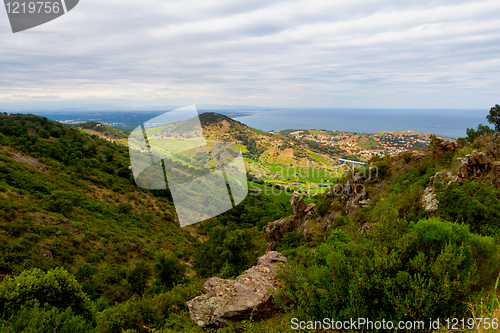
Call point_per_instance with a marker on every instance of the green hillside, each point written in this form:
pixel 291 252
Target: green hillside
pixel 83 249
pixel 104 132
pixel 69 208
pixel 273 157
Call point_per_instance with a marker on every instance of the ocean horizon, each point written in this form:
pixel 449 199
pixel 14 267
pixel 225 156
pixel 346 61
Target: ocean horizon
pixel 446 122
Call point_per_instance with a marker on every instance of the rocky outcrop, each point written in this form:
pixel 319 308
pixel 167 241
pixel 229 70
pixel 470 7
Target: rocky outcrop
pixel 274 231
pixel 429 199
pixel 363 230
pixel 310 208
pixel 249 294
pixel 299 205
pixel 446 147
pixel 354 192
pixel 473 164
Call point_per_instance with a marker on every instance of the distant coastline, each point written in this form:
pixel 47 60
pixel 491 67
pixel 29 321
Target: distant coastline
pixel 447 123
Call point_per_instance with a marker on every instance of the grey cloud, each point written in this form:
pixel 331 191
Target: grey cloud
pixel 343 53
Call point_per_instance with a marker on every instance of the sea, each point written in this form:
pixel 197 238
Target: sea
pixel 451 123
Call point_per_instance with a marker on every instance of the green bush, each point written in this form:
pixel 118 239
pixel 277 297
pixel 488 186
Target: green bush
pixel 229 252
pixel 168 271
pixel 59 202
pixel 138 277
pixel 472 203
pixel 55 288
pixel 426 270
pixel 37 319
pixel 153 311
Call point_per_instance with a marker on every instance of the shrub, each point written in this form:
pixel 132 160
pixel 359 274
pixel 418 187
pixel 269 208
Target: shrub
pixel 58 202
pixel 427 271
pixel 168 271
pixel 37 319
pixel 153 311
pixel 55 288
pixel 138 277
pixel 472 203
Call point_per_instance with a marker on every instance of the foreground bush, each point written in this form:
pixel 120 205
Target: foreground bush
pixel 37 319
pixel 53 289
pixel 400 271
pixel 164 312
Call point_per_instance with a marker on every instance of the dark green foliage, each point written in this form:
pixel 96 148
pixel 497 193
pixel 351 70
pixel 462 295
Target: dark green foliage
pixel 37 319
pixel 168 271
pixel 421 270
pixel 55 288
pixel 322 208
pixel 473 134
pixel 124 172
pixel 382 169
pixel 472 203
pixel 288 244
pixel 435 141
pixel 60 202
pixel 138 277
pixel 494 117
pixel 227 252
pixel 167 310
pixel 43 134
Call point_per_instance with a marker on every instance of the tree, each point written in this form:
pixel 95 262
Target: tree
pixel 435 141
pixel 138 277
pixel 473 134
pixel 168 271
pixel 494 117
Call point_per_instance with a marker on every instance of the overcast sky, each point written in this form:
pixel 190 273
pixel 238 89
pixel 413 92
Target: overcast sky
pixel 335 53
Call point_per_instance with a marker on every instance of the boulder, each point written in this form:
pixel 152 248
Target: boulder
pixel 473 164
pixel 310 207
pixel 364 203
pixel 250 294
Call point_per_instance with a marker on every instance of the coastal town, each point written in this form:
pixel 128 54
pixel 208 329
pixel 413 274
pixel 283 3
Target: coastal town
pixel 366 145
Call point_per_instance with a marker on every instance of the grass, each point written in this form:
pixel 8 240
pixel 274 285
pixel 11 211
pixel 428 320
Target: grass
pixel 489 308
pixel 258 131
pixel 273 193
pixel 303 174
pixel 319 158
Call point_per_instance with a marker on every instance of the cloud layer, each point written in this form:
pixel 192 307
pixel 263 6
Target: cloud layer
pixel 357 53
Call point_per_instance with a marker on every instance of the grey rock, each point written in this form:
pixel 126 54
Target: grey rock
pixel 232 300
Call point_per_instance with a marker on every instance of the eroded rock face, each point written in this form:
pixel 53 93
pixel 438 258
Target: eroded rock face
pixel 446 147
pixel 310 207
pixel 354 192
pixel 249 294
pixel 473 164
pixel 299 205
pixel 429 199
pixel 275 230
